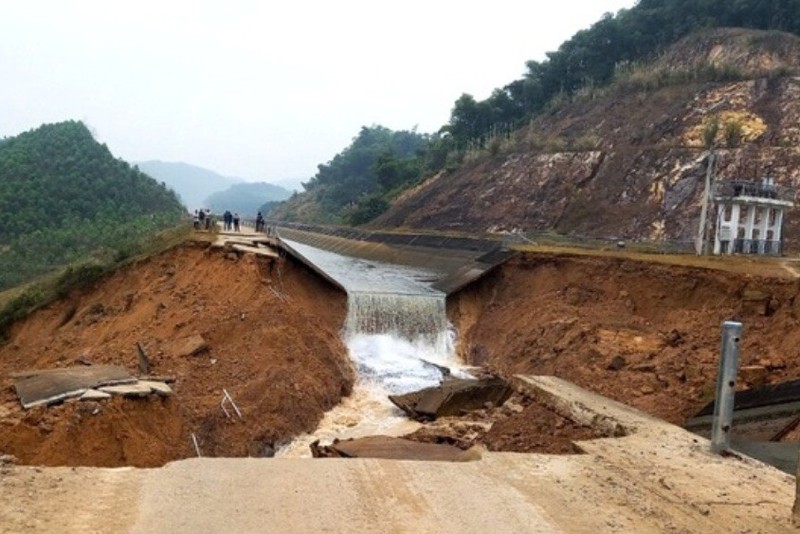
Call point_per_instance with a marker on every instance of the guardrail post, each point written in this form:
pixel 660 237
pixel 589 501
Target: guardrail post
pixel 726 385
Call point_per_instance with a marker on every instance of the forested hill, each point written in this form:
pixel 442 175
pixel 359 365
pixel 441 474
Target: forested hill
pixel 63 196
pixel 614 51
pixel 357 184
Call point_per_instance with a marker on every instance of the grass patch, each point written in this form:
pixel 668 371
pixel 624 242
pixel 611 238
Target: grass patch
pixel 17 303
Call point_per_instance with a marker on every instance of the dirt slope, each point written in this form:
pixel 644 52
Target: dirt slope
pixel 282 361
pixel 630 161
pixel 571 316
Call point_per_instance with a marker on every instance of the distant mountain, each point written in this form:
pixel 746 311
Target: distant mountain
pixel 192 184
pixel 64 196
pixel 246 198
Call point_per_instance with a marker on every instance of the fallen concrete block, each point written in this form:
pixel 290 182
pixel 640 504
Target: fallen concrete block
pixel 394 449
pixel 128 390
pixel 48 386
pixel 93 394
pixel 452 397
pixel 159 388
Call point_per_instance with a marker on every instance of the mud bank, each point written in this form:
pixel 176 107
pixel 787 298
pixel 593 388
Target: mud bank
pixel 272 331
pixel 641 333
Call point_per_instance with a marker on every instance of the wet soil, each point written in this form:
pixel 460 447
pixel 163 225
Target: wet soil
pixel 520 425
pixel 643 333
pixel 273 336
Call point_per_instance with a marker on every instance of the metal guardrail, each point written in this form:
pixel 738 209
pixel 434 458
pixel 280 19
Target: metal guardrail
pixel 684 246
pixel 671 246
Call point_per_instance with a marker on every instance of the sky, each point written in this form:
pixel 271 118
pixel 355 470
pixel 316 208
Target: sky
pixel 260 90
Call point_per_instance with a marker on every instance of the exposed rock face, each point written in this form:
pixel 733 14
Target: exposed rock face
pixel 629 162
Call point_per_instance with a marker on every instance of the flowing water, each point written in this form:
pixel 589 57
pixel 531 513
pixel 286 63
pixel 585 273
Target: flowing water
pixel 397 335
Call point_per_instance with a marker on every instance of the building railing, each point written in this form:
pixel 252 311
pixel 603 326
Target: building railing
pixel 741 188
pixel 767 247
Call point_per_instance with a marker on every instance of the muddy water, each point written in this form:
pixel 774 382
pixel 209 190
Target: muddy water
pixel 396 330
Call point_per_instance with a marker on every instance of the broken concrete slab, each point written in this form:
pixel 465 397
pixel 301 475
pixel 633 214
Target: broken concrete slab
pixel 188 346
pixel 94 394
pixel 453 397
pixel 37 387
pixel 168 379
pixel 128 390
pixel 159 388
pixel 258 251
pixel 392 448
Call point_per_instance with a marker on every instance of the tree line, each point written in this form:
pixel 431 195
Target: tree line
pixel 65 198
pixel 358 184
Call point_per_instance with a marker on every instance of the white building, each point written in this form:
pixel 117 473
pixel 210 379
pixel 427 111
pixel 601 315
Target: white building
pixel 750 217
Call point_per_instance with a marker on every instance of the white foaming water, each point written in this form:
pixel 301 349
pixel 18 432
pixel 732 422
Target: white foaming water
pixel 398 365
pixel 398 337
pixel 386 365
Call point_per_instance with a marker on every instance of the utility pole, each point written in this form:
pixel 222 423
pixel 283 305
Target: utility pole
pixel 701 242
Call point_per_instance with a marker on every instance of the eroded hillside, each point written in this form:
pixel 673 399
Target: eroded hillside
pixel 630 160
pixel 643 333
pixel 254 316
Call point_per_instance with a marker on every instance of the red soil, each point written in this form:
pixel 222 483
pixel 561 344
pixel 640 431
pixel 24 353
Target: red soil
pixel 282 361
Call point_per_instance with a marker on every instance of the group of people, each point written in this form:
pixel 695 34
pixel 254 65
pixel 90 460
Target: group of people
pixel 204 220
pixel 230 221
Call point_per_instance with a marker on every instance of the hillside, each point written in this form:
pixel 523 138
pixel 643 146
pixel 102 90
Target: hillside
pixel 628 160
pixel 192 184
pixel 354 186
pixel 615 52
pixel 245 198
pixel 261 347
pixel 64 197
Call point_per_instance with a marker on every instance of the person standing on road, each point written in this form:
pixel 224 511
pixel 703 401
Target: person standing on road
pixel 236 222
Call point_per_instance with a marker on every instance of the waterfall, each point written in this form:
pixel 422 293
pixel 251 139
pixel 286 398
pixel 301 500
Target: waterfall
pixel 398 337
pixel 398 341
pixel 406 316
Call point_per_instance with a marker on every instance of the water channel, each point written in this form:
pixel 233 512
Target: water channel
pixel 396 332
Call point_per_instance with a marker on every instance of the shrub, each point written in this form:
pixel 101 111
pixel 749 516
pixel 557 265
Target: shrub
pixel 732 131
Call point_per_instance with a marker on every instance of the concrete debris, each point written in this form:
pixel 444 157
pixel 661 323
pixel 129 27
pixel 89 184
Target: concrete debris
pixel 93 395
pixel 49 386
pixel 138 389
pixel 441 368
pixel 167 379
pixel 394 449
pixel 453 397
pixel 159 388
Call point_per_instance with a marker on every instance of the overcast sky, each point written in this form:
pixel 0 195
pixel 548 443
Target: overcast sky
pixel 264 90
